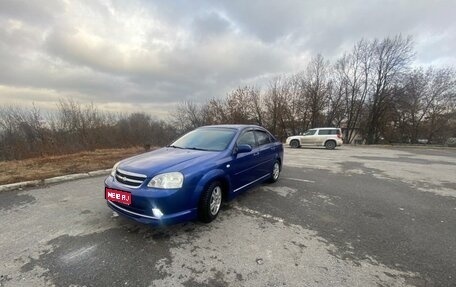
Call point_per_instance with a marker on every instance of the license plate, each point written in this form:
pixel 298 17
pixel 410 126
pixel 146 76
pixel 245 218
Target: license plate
pixel 118 196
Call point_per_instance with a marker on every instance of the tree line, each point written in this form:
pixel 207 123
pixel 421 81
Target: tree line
pixel 374 92
pixel 74 127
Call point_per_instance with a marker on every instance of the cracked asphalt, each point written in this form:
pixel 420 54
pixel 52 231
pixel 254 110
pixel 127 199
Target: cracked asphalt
pixel 354 216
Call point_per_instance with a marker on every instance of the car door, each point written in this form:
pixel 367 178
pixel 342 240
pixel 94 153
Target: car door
pixel 243 166
pixel 309 137
pixel 321 137
pixel 267 152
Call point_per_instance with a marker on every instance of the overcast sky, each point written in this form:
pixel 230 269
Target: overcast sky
pixel 148 55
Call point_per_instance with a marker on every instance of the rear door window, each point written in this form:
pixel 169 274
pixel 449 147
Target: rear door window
pixel 262 138
pixel 272 138
pixel 324 132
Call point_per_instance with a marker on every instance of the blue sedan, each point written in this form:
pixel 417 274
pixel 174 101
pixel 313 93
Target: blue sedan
pixel 191 177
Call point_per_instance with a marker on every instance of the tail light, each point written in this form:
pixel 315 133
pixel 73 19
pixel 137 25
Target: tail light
pixel 339 136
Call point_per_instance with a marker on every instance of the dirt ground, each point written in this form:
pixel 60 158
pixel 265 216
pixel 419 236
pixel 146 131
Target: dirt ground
pixel 50 166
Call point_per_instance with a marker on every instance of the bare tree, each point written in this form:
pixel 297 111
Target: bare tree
pixel 318 89
pixel 275 106
pixel 336 109
pixel 295 110
pixel 424 99
pixel 352 76
pixel 255 106
pixel 188 115
pixel 215 112
pixel 390 58
pixel 237 105
pixel 439 101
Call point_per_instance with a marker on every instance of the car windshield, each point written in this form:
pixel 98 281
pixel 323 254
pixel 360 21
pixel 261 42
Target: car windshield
pixel 210 139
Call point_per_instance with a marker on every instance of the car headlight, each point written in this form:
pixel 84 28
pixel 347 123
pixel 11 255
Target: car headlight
pixel 114 168
pixel 167 180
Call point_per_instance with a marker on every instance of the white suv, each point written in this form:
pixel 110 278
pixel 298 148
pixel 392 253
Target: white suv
pixel 327 137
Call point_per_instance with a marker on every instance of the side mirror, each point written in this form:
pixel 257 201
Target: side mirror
pixel 243 148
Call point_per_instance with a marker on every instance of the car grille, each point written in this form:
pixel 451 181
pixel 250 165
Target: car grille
pixel 129 178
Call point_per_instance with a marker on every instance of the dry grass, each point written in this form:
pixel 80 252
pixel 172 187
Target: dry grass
pixel 50 166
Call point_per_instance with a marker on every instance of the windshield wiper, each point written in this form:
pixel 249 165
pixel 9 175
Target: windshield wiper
pixel 196 148
pixel 175 146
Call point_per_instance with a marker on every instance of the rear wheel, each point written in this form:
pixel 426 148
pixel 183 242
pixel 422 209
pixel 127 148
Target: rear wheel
pixel 330 145
pixel 210 202
pixel 294 144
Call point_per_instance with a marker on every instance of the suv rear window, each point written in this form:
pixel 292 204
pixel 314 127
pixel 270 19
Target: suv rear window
pixel 324 132
pixel 329 132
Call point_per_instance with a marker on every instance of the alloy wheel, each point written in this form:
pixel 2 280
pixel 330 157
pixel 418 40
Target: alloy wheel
pixel 276 171
pixel 216 200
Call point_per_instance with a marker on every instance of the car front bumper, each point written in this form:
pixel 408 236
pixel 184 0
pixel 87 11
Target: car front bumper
pixel 150 219
pixel 174 204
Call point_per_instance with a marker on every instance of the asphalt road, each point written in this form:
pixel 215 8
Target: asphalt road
pixel 348 217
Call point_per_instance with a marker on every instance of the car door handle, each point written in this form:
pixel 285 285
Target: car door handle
pixel 273 148
pixel 257 153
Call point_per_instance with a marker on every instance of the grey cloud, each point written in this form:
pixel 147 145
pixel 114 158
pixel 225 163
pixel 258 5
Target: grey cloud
pixel 268 20
pixel 37 12
pixel 210 24
pixel 325 26
pixel 224 59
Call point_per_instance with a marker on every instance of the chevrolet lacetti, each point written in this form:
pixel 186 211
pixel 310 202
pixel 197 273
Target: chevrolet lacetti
pixel 191 177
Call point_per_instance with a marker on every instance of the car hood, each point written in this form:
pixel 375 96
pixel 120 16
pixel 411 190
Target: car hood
pixel 160 160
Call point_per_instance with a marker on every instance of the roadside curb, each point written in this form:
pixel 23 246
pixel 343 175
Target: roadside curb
pixel 57 179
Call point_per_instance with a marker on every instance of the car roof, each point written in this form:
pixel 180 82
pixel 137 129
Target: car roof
pixel 232 126
pixel 324 128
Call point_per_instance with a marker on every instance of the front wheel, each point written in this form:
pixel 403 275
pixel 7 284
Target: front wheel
pixel 275 172
pixel 210 202
pixel 294 144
